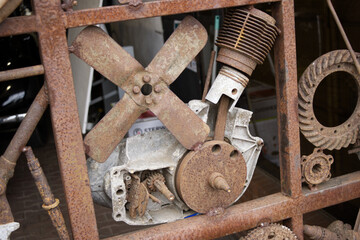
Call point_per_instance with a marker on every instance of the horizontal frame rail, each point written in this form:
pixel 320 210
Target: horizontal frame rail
pixel 21 73
pixel 27 24
pixel 275 207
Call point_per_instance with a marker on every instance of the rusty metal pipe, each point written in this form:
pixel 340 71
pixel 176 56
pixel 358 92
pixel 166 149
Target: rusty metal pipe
pixel 343 34
pixel 21 73
pixel 13 151
pixel 149 9
pixel 18 25
pixel 51 204
pixel 247 215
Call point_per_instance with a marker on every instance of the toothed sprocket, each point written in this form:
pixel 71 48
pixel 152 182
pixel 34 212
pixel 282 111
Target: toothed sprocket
pixel 151 180
pixel 272 231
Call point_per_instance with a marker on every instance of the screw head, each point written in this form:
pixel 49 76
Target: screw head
pixel 157 88
pixel 136 89
pixel 148 101
pixel 146 78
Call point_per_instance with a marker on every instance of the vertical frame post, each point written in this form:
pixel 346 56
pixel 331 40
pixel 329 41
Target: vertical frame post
pixel 287 107
pixel 65 118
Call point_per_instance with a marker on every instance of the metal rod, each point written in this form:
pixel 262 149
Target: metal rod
pixel 287 99
pixel 18 25
pixel 343 34
pixel 148 9
pixel 220 125
pixel 13 151
pixel 65 118
pixel 275 207
pixel 21 73
pixel 51 205
pixel 208 76
pixel 287 107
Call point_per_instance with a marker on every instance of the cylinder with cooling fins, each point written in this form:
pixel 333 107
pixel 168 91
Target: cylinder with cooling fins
pixel 246 37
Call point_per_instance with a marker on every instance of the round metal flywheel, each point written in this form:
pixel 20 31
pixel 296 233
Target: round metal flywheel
pixel 211 177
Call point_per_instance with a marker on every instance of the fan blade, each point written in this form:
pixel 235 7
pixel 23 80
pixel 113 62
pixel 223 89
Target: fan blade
pixel 180 120
pixel 106 135
pixel 100 51
pixel 178 51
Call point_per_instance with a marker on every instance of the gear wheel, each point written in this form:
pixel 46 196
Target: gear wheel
pixel 316 167
pixel 319 135
pixel 273 231
pixel 151 180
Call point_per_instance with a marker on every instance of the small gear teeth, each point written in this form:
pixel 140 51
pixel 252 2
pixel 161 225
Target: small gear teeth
pixel 319 135
pixel 152 178
pixel 274 231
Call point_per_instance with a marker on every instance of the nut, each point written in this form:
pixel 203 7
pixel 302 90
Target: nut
pixel 136 89
pixel 146 78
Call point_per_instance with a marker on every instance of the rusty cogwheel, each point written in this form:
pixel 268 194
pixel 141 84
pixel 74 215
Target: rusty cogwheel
pixel 273 231
pixel 151 180
pixel 316 167
pixel 319 135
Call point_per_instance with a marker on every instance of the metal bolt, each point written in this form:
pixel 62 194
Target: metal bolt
pixel 164 190
pixel 136 89
pixel 146 78
pixel 217 181
pixel 148 101
pixel 158 88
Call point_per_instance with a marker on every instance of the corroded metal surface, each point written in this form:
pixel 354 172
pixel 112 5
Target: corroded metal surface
pixel 138 197
pixel 276 207
pixel 110 130
pixel 316 167
pixel 51 205
pixel 146 89
pixel 193 181
pixel 318 134
pixel 287 101
pixel 248 32
pixel 21 73
pixel 13 151
pixel 247 215
pixel 65 118
pixel 18 25
pixel 148 9
pixel 272 231
pixel 156 181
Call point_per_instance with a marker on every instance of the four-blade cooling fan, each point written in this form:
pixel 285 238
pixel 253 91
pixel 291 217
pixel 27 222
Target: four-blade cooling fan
pixel 145 88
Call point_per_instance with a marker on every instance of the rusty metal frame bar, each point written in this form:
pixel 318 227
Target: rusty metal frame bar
pixel 51 22
pixel 21 73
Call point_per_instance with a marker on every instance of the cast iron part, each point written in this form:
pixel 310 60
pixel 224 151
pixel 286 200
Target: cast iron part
pixel 245 38
pixel 51 204
pixel 145 88
pixel 212 177
pixel 316 168
pixel 318 134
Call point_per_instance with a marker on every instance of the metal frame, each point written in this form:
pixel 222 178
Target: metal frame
pixel 51 22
